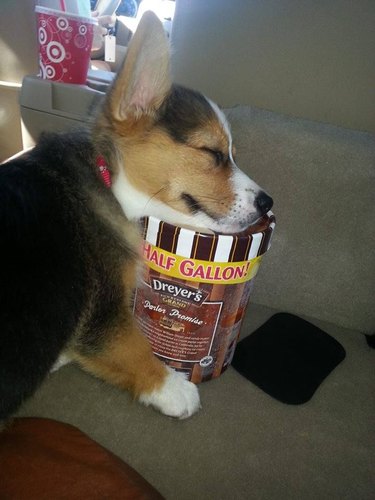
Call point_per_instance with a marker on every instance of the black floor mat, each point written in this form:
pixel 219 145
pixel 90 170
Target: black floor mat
pixel 288 358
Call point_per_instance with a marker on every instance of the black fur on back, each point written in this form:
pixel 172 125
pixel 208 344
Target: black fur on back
pixel 60 261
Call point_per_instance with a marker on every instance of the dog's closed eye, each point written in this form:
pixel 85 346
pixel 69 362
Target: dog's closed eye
pixel 218 156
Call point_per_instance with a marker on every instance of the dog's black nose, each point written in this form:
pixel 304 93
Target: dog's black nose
pixel 263 202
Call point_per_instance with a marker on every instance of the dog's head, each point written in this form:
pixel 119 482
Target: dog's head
pixel 174 149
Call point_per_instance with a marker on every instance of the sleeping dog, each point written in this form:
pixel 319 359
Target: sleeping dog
pixel 69 243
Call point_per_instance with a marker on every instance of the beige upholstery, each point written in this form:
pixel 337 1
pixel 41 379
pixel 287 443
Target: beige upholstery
pixel 306 59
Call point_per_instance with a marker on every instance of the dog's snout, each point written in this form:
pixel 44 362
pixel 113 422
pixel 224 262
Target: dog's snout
pixel 263 202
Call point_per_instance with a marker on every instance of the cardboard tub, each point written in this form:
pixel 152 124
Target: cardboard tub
pixel 195 290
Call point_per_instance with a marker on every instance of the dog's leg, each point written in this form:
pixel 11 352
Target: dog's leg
pixel 126 360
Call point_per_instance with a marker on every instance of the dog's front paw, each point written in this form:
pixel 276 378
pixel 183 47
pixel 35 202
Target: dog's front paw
pixel 177 397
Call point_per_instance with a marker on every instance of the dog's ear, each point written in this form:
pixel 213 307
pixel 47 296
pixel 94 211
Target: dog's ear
pixel 144 79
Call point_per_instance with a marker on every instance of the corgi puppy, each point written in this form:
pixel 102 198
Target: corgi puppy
pixel 70 248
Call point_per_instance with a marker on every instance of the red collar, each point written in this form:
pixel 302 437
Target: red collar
pixel 104 172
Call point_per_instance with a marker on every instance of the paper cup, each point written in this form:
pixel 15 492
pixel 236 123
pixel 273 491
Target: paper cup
pixel 195 291
pixel 64 42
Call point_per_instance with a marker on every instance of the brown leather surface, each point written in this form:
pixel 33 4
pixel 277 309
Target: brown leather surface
pixel 44 459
